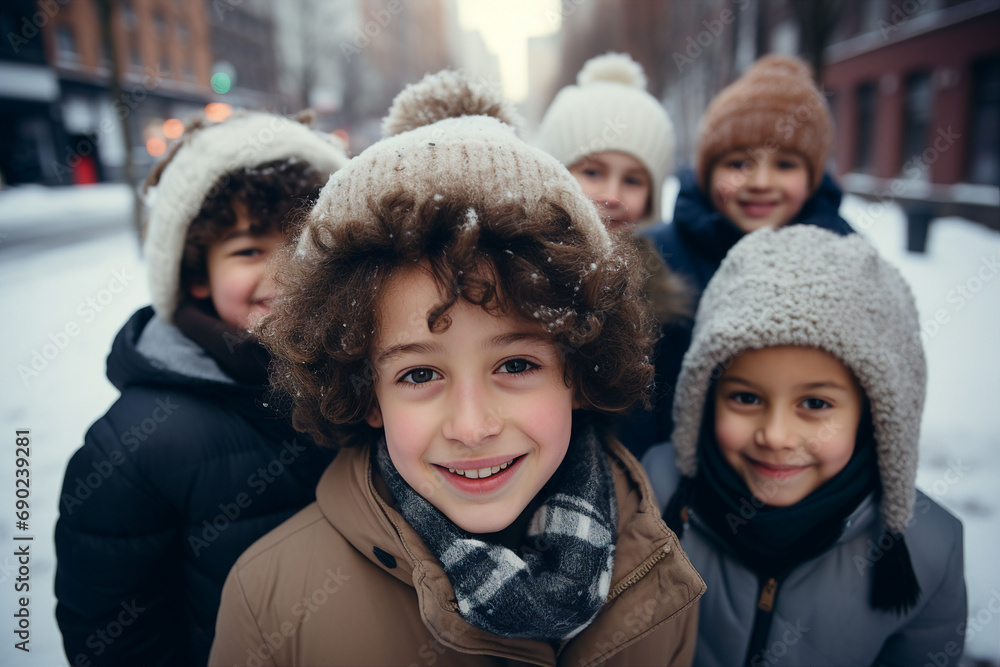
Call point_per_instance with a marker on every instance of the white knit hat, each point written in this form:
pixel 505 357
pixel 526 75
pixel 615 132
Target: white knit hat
pixel 200 165
pixel 610 110
pixel 807 286
pixel 448 139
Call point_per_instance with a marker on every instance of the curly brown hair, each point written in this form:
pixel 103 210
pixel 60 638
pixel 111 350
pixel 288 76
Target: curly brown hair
pixel 322 332
pixel 277 196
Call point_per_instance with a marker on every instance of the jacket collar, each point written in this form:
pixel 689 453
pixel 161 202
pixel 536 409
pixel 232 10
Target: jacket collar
pixel 712 235
pixel 651 582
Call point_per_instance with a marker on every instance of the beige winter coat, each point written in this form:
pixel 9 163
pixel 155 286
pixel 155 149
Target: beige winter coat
pixel 347 581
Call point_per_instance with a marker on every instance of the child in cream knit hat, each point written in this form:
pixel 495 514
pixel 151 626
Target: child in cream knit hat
pixel 791 471
pixel 760 158
pixel 618 142
pixel 455 318
pixel 193 462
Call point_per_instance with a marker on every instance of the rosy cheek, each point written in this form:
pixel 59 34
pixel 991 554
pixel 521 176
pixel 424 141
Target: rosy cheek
pixel 730 434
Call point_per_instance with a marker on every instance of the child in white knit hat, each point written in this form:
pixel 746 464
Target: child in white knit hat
pixel 618 142
pixel 194 461
pixel 791 471
pixel 456 318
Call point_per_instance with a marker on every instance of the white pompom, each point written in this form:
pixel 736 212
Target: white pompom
pixel 614 67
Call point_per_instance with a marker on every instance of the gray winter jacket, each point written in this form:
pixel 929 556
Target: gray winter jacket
pixel 821 612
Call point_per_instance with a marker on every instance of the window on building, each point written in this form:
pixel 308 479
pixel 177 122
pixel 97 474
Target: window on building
pixel 66 45
pixel 129 18
pixel 134 57
pixel 984 153
pixel 919 97
pixel 160 25
pixel 865 96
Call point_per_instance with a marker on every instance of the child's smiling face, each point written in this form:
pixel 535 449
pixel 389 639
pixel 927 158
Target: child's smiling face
pixel 239 282
pixel 786 419
pixel 759 188
pixel 618 183
pixel 477 417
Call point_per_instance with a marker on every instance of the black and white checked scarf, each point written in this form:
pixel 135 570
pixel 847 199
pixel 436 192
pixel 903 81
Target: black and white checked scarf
pixel 558 580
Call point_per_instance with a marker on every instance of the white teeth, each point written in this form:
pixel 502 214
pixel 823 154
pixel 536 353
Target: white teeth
pixel 481 472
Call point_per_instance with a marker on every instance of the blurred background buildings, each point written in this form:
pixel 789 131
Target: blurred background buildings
pixel 92 90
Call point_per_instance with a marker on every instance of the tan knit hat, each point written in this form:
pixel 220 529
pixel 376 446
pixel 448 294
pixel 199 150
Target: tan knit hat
pixel 448 139
pixel 775 104
pixel 610 110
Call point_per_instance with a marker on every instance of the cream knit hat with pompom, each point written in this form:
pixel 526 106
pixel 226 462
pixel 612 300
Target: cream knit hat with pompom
pixel 448 139
pixel 610 110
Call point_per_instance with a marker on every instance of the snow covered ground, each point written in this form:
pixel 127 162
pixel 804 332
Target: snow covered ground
pixel 62 307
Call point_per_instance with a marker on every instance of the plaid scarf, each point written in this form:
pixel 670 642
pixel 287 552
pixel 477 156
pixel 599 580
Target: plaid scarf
pixel 554 585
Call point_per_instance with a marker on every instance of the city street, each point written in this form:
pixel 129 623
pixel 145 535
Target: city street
pixel 65 294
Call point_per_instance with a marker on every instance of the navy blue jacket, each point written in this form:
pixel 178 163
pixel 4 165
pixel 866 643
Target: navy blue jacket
pixel 693 244
pixel 183 473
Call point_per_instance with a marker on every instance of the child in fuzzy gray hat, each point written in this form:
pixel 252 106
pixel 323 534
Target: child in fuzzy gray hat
pixel 791 471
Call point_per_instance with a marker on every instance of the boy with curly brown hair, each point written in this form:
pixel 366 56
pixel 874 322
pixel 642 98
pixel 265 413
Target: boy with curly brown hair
pixel 194 461
pixel 456 317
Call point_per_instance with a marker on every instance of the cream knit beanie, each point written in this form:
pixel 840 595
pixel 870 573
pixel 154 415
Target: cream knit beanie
pixel 610 110
pixel 200 166
pixel 807 286
pixel 448 139
pixel 775 104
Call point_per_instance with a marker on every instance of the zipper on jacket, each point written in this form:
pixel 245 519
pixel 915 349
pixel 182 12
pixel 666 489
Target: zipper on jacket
pixel 762 621
pixel 640 571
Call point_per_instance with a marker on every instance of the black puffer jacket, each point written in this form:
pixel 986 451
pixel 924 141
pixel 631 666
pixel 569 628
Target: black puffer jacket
pixel 693 244
pixel 182 474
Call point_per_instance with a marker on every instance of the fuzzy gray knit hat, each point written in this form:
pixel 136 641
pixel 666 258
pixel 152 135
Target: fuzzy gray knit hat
pixel 609 110
pixel 200 165
pixel 447 138
pixel 807 286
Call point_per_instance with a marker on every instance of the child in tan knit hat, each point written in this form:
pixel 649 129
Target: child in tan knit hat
pixel 760 155
pixel 455 318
